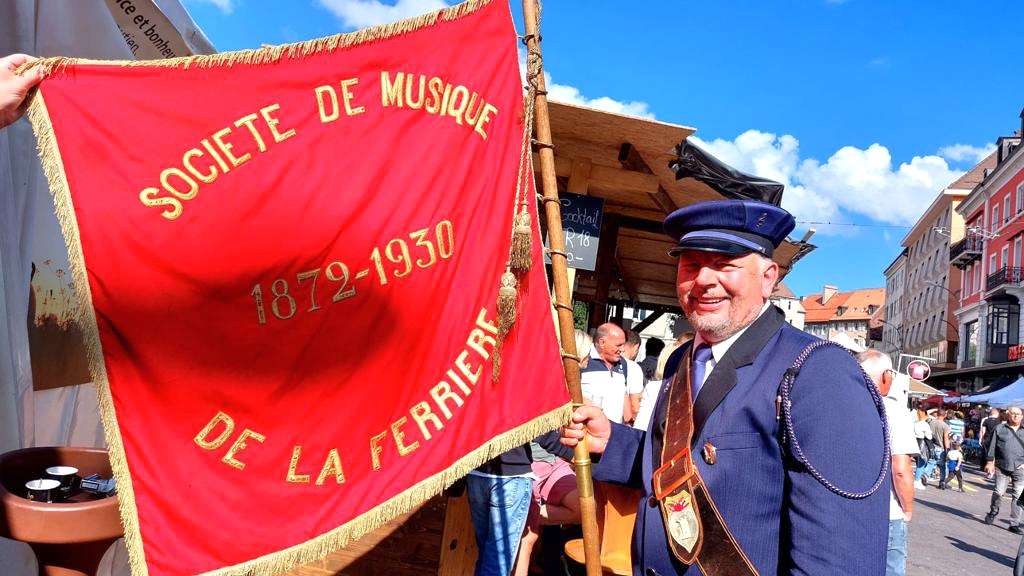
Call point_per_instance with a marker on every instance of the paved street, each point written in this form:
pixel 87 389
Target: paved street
pixel 947 536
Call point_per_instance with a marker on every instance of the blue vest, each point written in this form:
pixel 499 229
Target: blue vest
pixel 783 518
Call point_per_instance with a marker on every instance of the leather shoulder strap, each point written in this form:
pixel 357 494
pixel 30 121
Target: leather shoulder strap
pixel 696 531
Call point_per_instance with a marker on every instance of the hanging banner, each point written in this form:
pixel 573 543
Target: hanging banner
pixel 287 262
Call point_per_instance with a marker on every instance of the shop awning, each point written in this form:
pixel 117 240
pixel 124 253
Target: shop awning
pixel 919 389
pixel 1014 391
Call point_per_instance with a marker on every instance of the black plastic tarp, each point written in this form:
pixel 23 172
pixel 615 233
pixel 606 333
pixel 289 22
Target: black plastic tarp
pixel 692 162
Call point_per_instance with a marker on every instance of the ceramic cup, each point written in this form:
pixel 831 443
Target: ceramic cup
pixel 67 476
pixel 43 489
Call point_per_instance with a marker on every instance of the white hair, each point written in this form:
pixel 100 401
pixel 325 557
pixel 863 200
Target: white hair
pixel 874 363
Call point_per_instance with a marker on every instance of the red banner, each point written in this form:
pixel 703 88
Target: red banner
pixel 288 261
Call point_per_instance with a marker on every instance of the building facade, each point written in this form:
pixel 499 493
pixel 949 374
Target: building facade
pixel 788 302
pixel 891 320
pixel 930 288
pixel 832 313
pixel 991 258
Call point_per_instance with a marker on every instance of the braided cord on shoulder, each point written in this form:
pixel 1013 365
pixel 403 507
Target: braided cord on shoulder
pixel 785 390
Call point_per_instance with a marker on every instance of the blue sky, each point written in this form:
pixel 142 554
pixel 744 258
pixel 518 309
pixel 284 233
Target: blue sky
pixel 864 109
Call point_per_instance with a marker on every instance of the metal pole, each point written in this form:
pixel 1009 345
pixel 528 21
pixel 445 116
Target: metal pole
pixel 559 273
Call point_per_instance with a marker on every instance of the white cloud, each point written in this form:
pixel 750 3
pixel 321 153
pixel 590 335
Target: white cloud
pixel 777 158
pixel 572 95
pixel 966 152
pixel 366 13
pixel 225 6
pixel 853 184
pixel 866 182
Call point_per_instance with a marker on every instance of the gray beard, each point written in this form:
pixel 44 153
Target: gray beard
pixel 721 330
pixel 714 330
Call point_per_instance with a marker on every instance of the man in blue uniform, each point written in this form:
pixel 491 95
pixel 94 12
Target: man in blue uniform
pixel 810 509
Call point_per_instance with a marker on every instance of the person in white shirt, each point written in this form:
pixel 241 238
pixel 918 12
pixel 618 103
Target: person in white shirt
pixel 925 462
pixel 955 462
pixel 634 374
pixel 606 380
pixel 893 387
pixel 647 402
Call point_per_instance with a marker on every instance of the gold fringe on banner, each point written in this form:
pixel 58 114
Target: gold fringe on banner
pixel 340 537
pixel 53 168
pixel 271 54
pixel 320 546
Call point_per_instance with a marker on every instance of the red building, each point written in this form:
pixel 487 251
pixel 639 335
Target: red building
pixel 991 257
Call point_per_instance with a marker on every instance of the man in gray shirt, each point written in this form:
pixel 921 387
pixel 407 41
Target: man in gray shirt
pixel 940 436
pixel 1006 458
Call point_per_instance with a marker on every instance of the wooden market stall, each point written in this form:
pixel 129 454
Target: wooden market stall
pixel 624 161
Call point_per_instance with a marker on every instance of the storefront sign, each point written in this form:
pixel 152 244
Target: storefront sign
pixel 1015 352
pixel 581 223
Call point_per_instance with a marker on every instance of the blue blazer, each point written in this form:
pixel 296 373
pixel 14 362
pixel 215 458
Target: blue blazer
pixel 782 517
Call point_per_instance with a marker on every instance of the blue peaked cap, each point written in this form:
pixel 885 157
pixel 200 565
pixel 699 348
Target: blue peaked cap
pixel 729 226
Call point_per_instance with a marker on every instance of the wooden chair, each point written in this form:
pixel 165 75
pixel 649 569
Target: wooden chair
pixel 616 516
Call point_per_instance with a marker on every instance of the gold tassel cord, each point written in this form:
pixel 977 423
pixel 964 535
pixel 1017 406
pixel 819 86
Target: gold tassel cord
pixel 507 301
pixel 507 296
pixel 522 244
pixel 520 256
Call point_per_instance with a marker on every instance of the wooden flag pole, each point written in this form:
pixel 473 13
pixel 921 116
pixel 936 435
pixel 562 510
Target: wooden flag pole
pixel 559 273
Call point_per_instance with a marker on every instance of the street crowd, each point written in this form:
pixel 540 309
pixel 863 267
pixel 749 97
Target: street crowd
pixel 929 446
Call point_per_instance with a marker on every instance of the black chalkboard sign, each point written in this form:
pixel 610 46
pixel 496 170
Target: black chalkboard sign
pixel 581 223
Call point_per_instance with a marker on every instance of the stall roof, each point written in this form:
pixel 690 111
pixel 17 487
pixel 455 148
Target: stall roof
pixel 624 160
pixel 919 389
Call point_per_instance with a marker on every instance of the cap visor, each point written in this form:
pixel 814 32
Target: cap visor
pixel 710 245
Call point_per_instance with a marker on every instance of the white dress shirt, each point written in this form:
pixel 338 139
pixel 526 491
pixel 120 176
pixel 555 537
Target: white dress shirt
pixel 719 349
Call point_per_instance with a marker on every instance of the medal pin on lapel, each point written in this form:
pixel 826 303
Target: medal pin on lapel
pixel 709 453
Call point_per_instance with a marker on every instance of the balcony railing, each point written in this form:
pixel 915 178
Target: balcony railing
pixel 965 251
pixel 1004 277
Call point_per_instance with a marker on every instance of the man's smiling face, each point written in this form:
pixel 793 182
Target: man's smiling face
pixel 723 293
